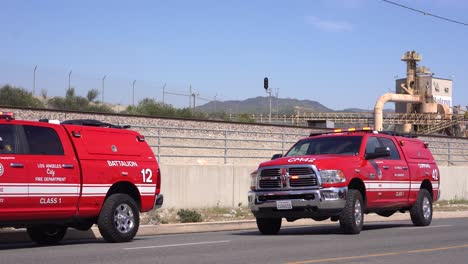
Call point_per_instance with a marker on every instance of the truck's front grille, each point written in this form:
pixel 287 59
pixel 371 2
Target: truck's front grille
pixel 301 171
pixel 270 172
pixel 267 184
pixel 272 178
pixel 303 182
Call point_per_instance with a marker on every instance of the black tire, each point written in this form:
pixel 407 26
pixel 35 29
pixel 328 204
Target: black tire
pixel 269 226
pixel 119 218
pixel 352 216
pixel 47 234
pixel 421 212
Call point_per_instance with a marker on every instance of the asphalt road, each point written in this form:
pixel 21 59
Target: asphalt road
pixel 445 241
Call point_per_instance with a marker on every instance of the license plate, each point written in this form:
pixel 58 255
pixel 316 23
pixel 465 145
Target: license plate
pixel 283 205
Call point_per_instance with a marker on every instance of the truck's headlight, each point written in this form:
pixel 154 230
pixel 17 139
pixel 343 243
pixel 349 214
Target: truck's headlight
pixel 332 176
pixel 253 180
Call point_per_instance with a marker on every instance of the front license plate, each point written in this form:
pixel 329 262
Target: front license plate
pixel 283 205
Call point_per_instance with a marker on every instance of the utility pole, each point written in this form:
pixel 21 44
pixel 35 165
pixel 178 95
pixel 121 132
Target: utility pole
pixel 277 101
pixel 34 80
pixel 189 98
pixel 216 95
pixel 69 80
pixel 164 93
pixel 133 92
pixel 103 78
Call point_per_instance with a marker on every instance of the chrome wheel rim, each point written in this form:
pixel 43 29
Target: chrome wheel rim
pixel 124 219
pixel 357 213
pixel 426 207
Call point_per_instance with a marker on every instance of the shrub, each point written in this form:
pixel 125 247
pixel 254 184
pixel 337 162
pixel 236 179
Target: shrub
pixel 189 216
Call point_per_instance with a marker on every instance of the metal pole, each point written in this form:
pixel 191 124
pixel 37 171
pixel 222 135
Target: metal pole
pixel 189 98
pixel 69 80
pixel 215 103
pixel 103 78
pixel 225 147
pixel 133 93
pixel 164 93
pixel 269 115
pixel 34 80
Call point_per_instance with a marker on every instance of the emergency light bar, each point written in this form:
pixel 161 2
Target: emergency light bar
pixel 6 115
pixel 352 129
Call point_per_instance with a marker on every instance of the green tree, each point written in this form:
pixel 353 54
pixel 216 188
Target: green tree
pixel 246 118
pixel 92 94
pixel 13 96
pixel 77 103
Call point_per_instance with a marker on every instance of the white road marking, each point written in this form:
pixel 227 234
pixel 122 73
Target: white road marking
pixel 423 227
pixel 181 245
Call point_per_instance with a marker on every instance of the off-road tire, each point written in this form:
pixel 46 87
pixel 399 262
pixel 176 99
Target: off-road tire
pixel 269 226
pixel 352 216
pixel 119 218
pixel 47 234
pixel 421 212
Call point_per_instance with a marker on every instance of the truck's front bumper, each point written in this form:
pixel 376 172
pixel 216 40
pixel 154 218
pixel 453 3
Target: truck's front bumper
pixel 158 202
pixel 305 203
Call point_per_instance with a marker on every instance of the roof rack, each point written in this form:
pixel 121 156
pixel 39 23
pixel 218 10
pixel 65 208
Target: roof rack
pixel 92 122
pixel 394 133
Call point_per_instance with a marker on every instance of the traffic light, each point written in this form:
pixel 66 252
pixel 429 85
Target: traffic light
pixel 265 83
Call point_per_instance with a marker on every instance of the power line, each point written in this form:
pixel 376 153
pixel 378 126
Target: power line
pixel 426 13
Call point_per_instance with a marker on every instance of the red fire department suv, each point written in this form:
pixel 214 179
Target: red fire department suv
pixel 75 174
pixel 343 176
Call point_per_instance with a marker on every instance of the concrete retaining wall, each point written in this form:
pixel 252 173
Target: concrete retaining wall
pixel 454 183
pixel 195 186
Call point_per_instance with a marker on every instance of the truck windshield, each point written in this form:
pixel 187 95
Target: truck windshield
pixel 345 145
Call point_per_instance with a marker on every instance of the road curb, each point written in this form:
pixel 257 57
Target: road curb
pixel 20 235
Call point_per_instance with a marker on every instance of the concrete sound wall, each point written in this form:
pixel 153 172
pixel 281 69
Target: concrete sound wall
pixel 196 186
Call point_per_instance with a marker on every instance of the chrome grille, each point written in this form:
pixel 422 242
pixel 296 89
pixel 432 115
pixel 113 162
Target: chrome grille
pixel 271 178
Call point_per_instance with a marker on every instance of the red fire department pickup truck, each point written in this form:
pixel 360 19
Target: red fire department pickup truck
pixel 344 175
pixel 75 174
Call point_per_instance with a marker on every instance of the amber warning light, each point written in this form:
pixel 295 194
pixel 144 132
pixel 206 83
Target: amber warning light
pixel 352 129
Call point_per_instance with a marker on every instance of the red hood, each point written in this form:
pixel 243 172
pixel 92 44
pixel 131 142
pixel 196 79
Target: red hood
pixel 325 161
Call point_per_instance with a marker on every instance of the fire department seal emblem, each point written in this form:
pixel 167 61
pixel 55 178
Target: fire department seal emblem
pixel 1 169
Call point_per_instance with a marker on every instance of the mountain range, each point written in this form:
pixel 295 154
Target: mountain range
pixel 261 105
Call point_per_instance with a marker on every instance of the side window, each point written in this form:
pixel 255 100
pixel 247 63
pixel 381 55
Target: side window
pixel 372 143
pixel 43 141
pixel 386 142
pixel 8 141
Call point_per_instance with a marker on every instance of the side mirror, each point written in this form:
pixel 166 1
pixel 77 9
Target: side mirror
pixel 279 155
pixel 378 153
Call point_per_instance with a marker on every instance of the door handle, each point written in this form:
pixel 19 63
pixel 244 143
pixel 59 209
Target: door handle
pixel 68 166
pixel 386 167
pixel 17 165
pixel 405 168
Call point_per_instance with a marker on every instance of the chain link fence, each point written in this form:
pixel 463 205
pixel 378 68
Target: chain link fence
pixel 180 145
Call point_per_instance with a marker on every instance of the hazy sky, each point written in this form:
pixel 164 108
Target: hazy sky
pixel 342 53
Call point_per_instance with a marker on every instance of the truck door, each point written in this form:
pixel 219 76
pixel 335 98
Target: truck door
pixel 14 176
pixel 389 184
pixel 54 173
